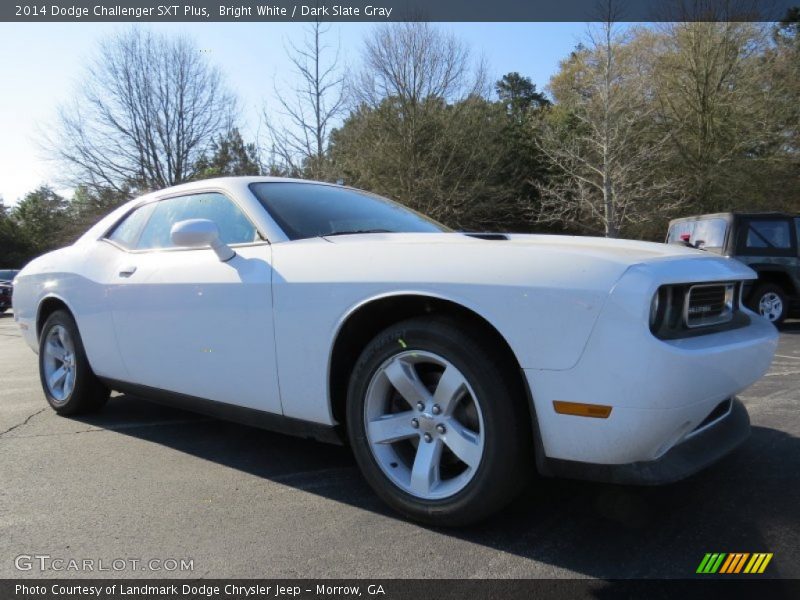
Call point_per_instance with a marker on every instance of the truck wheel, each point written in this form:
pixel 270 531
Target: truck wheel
pixel 769 300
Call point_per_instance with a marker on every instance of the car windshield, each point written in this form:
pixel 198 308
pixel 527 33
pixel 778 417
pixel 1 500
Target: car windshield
pixel 7 274
pixel 305 210
pixel 708 234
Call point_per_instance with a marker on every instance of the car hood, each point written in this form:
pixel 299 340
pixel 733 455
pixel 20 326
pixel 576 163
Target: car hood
pixel 621 252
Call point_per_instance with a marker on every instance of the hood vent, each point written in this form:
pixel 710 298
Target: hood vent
pixel 488 236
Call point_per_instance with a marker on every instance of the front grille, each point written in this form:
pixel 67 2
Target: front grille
pixel 709 304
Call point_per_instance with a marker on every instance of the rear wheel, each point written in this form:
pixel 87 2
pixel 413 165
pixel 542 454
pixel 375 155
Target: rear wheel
pixel 435 424
pixel 69 384
pixel 769 300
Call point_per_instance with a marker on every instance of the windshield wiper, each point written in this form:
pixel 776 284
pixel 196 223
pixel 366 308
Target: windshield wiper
pixel 354 231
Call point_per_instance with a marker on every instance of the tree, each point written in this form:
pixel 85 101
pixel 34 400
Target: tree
pixel 718 107
pixel 15 249
pixel 40 218
pixel 150 105
pixel 599 139
pixel 229 156
pixel 422 124
pixel 299 136
pixel 519 95
pixel 521 165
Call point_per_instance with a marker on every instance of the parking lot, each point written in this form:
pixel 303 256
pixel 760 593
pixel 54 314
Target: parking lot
pixel 144 482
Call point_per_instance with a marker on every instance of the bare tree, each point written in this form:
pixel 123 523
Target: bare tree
pixel 418 131
pixel 599 139
pixel 717 105
pixel 298 139
pixel 149 107
pixel 415 61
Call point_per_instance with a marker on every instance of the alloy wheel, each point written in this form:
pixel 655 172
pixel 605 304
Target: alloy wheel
pixel 59 363
pixel 424 424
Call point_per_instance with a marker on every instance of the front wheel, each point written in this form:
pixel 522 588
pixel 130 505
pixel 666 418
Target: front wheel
pixel 69 384
pixel 436 424
pixel 769 300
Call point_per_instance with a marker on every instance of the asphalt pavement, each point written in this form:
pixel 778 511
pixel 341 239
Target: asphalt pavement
pixel 140 482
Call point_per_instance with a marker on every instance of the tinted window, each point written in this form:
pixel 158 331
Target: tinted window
pixel 234 226
pixel 769 234
pixel 305 210
pixel 126 233
pixel 7 274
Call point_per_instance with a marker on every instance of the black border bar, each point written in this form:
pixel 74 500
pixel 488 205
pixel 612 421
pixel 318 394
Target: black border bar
pixel 400 589
pixel 392 10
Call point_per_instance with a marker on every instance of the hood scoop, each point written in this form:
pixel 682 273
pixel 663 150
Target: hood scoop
pixel 488 236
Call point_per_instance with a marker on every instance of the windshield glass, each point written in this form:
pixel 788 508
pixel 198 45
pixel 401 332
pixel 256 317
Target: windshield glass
pixel 708 234
pixel 305 210
pixel 7 274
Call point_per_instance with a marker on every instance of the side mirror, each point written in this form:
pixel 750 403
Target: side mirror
pixel 200 233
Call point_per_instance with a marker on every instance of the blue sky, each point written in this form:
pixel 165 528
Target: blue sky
pixel 41 64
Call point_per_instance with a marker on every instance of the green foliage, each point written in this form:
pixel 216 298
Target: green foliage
pixel 229 156
pixel 39 218
pixel 15 249
pixel 468 163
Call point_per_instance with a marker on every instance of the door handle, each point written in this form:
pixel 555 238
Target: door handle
pixel 127 271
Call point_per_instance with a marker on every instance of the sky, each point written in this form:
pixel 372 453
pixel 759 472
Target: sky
pixel 42 64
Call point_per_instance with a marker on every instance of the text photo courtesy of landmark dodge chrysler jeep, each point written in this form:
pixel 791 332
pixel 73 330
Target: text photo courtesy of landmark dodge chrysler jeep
pixel 766 242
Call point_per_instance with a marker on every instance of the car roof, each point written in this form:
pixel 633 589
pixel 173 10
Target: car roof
pixel 227 182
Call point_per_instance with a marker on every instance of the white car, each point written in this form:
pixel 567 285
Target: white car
pixel 454 364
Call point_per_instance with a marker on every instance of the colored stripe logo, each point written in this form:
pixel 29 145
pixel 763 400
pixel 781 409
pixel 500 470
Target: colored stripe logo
pixel 734 563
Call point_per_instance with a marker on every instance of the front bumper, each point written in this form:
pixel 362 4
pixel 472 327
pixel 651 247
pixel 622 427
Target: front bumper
pixel 661 392
pixel 696 452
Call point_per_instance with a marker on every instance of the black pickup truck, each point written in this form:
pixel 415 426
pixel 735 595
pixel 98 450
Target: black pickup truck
pixel 766 242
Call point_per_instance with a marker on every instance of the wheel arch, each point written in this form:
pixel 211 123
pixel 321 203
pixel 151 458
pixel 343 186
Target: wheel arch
pixel 776 275
pixel 365 320
pixel 47 306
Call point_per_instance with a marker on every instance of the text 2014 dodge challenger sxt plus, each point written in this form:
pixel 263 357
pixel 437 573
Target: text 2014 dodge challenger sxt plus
pixel 454 364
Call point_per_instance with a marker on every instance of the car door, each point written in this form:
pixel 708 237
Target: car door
pixel 187 322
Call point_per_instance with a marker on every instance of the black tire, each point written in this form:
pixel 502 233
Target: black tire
pixel 88 394
pixel 507 459
pixel 776 291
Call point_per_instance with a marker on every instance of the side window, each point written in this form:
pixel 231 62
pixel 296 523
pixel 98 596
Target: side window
pixel 126 233
pixel 768 235
pixel 234 226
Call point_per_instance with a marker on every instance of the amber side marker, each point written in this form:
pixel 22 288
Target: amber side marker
pixel 579 409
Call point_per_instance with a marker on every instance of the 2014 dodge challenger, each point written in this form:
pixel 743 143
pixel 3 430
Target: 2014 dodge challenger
pixel 455 364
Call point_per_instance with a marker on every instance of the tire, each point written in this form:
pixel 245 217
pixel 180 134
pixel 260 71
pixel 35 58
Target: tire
pixel 487 422
pixel 769 300
pixel 77 390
